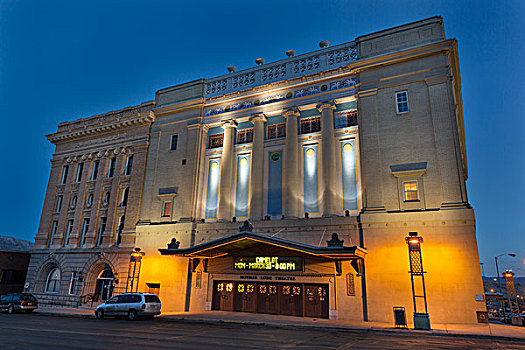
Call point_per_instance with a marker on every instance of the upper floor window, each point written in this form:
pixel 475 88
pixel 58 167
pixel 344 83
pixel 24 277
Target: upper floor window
pixel 111 168
pixel 124 198
pixel 85 228
pixel 89 200
pixel 402 101
pixel 410 191
pixel 106 199
pixel 73 202
pixel 58 204
pixel 68 231
pixel 174 140
pixel 80 167
pixel 166 209
pixel 101 229
pixel 345 119
pixel 94 170
pixel 275 131
pixel 120 229
pixel 64 174
pixel 245 136
pixel 215 141
pixel 54 228
pixel 129 165
pixel 309 125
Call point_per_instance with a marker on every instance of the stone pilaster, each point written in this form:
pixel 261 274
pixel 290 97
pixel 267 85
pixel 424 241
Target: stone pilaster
pixel 224 209
pixel 291 165
pixel 329 205
pixel 257 168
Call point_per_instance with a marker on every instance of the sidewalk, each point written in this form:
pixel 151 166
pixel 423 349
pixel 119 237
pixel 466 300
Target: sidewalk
pixel 477 330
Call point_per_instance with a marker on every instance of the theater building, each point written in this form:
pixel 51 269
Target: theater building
pixel 289 188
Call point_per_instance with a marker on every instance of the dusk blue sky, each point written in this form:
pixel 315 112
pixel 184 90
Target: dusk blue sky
pixel 63 60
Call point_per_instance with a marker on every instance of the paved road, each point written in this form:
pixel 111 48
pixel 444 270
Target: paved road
pixel 30 331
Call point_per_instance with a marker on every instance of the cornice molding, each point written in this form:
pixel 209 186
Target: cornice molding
pixel 117 123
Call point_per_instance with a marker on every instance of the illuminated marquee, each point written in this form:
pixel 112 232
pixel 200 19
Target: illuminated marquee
pixel 268 263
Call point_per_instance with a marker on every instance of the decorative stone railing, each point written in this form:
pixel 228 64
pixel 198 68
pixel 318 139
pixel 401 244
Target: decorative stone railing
pixel 313 62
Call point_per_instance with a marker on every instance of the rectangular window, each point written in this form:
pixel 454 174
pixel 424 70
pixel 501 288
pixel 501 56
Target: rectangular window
pixel 309 125
pixel 410 191
pixel 124 199
pixel 64 174
pixel 215 141
pixel 129 165
pixel 94 170
pixel 54 228
pixel 120 228
pixel 166 209
pixel 72 282
pixel 275 131
pixel 58 204
pixel 345 119
pixel 402 101
pixel 68 231
pixel 245 136
pixel 111 168
pixel 101 229
pixel 174 140
pixel 85 228
pixel 80 167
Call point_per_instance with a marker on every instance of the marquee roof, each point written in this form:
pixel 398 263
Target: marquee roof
pixel 246 239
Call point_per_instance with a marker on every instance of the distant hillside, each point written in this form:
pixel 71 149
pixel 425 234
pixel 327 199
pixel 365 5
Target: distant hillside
pixel 11 243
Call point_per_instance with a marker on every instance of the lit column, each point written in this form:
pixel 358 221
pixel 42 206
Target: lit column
pixel 224 209
pixel 329 179
pixel 257 170
pixel 291 165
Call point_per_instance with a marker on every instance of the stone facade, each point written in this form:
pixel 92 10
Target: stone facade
pixel 365 139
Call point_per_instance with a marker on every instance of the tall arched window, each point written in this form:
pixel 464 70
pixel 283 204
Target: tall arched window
pixel 53 281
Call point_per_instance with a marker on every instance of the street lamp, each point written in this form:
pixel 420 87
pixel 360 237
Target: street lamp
pixel 497 271
pixel 135 260
pixel 421 319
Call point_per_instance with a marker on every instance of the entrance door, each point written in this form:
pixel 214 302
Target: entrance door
pixel 316 301
pixel 104 289
pixel 268 298
pixel 292 299
pixel 225 293
pixel 245 298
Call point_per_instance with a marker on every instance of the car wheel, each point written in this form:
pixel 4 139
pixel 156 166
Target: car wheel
pixel 132 315
pixel 10 309
pixel 100 314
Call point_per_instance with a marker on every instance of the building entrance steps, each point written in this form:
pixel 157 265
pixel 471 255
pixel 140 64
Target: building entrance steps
pixel 476 330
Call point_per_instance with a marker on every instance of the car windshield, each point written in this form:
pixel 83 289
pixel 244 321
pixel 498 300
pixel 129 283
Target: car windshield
pixel 152 299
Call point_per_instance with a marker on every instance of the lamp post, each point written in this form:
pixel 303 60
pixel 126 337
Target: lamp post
pixel 499 283
pixel 135 260
pixel 421 319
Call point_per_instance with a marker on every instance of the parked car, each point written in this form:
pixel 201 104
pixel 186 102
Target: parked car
pixel 18 302
pixel 131 305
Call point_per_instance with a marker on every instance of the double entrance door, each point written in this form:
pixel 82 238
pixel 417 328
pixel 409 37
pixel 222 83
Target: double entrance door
pixel 309 300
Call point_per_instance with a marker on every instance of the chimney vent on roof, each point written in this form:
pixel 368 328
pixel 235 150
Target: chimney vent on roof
pixel 290 53
pixel 232 69
pixel 324 44
pixel 260 61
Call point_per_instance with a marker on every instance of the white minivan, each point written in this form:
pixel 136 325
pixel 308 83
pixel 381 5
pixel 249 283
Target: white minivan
pixel 131 305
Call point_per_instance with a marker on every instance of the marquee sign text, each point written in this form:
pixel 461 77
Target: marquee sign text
pixel 268 263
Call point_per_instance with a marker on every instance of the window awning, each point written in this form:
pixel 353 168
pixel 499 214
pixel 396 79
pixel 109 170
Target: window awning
pixel 246 239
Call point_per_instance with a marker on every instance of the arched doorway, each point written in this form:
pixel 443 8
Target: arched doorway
pixel 104 286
